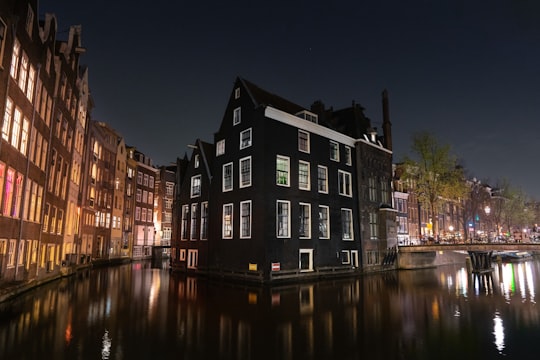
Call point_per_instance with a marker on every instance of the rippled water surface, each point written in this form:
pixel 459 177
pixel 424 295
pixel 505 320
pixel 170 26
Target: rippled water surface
pixel 136 311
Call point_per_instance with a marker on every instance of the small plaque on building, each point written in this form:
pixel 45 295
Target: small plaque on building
pixel 276 266
pixel 252 267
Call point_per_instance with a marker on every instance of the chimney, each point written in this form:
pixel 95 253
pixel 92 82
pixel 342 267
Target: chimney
pixel 386 125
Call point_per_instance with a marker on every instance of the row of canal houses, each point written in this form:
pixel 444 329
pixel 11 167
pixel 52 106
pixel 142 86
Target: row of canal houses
pixel 71 191
pixel 286 191
pixel 283 191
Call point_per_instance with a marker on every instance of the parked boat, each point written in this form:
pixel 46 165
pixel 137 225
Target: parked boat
pixel 509 256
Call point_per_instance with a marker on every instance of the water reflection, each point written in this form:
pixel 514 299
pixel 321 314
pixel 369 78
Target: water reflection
pixel 139 311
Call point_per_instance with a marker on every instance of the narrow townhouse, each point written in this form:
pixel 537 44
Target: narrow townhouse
pixel 40 99
pixel 285 197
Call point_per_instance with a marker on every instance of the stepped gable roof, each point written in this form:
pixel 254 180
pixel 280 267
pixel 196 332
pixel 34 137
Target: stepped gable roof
pixel 261 97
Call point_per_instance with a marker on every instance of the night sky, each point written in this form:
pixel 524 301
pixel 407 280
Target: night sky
pixel 466 71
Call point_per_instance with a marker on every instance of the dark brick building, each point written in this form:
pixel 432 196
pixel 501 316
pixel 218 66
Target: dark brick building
pixel 286 192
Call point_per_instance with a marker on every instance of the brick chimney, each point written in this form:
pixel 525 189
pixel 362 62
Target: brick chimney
pixel 386 125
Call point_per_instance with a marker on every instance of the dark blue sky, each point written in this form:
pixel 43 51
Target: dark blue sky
pixel 467 71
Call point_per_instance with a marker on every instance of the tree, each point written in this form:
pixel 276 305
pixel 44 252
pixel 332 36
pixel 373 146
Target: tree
pixel 472 203
pixel 436 174
pixel 516 214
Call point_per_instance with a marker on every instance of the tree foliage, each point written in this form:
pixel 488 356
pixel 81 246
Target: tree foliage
pixel 435 172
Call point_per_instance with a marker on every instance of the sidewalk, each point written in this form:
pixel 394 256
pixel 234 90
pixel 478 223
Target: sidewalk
pixel 10 289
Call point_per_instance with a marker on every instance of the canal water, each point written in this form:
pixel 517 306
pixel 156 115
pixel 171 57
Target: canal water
pixel 137 311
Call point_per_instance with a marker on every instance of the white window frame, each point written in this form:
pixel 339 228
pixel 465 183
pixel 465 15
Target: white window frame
pixel 350 226
pixel 204 221
pixel 285 231
pixel 193 222
pixel 245 220
pixel 334 150
pixel 325 190
pixel 224 186
pixel 227 224
pixel 287 162
pixel 344 186
pixel 242 183
pixel 326 221
pixel 248 142
pixel 309 252
pixel 237 93
pixel 307 227
pixel 307 185
pixel 307 139
pixel 237 116
pixel 184 222
pixel 220 147
pixel 345 257
pixel 348 155
pixel 195 191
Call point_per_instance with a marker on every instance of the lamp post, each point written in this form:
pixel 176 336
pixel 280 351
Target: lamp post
pixel 451 229
pixel 487 210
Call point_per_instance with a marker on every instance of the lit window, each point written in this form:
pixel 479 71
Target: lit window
pixel 220 147
pixel 303 175
pixel 7 119
pixel 282 170
pixel 227 177
pixel 227 221
pixel 346 224
pixel 15 58
pixel 204 220
pixel 283 219
pixel 303 141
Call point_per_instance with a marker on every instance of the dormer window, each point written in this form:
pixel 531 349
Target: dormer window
pixel 309 116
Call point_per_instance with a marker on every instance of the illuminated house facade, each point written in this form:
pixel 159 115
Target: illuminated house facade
pixel 144 229
pixel 44 104
pixel 286 192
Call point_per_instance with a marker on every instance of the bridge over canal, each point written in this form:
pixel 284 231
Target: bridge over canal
pixel 480 254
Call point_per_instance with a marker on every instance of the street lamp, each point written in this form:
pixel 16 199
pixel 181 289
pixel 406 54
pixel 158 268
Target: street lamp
pixel 451 229
pixel 487 210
